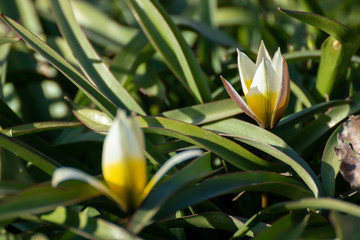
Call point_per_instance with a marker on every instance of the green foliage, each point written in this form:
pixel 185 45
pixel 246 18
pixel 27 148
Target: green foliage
pixel 67 65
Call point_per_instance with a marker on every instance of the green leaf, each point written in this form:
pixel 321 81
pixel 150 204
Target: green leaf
pixel 204 113
pixel 234 16
pixel 169 164
pixel 224 148
pixel 211 33
pixel 4 40
pixel 168 41
pixel 89 61
pixel 336 52
pixel 271 144
pixel 330 163
pixel 149 82
pixel 86 226
pixel 62 65
pixel 29 154
pixel 300 94
pixel 334 28
pixel 98 24
pixel 44 198
pixel 288 227
pixel 8 117
pixel 197 169
pixel 303 204
pixel 67 173
pixel 12 187
pixel 290 121
pixel 334 64
pixel 346 226
pixel 304 140
pixel 235 182
pixel 37 127
pixel 212 220
pixel 28 16
pixel 125 62
pixel 93 119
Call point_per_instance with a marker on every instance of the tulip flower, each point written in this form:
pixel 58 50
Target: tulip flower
pixel 265 84
pixel 123 164
pixel 123 160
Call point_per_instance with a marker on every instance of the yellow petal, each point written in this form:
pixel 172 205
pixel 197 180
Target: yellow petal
pixel 127 179
pixel 262 106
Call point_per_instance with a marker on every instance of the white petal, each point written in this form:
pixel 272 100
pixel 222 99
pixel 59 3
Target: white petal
pixel 123 140
pixel 265 80
pixel 247 70
pixel 277 62
pixel 67 173
pixel 263 53
pixel 259 84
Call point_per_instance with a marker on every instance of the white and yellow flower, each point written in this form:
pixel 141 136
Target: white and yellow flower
pixel 265 84
pixel 123 160
pixel 123 164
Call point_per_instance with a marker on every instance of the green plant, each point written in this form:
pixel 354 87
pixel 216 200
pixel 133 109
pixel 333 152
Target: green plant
pixel 67 67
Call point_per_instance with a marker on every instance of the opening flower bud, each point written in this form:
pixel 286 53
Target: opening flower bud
pixel 123 160
pixel 266 86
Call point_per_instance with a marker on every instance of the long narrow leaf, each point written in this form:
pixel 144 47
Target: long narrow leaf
pixel 42 199
pixel 308 203
pixel 37 127
pixel 167 39
pixel 197 169
pixel 271 144
pixel 86 226
pixel 61 64
pixel 29 154
pixel 89 60
pixel 224 148
pixel 204 113
pixel 235 182
pixel 212 220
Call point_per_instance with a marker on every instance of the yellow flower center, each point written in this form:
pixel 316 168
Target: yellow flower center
pixel 127 179
pixel 262 106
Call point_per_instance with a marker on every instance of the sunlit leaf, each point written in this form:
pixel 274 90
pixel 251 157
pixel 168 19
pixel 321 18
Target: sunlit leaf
pixel 306 203
pixel 61 64
pixel 91 64
pixel 41 199
pixel 271 144
pixel 37 127
pixel 86 226
pixel 290 227
pixel 330 164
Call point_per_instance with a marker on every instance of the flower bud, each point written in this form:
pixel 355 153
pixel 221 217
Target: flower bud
pixel 266 86
pixel 123 160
